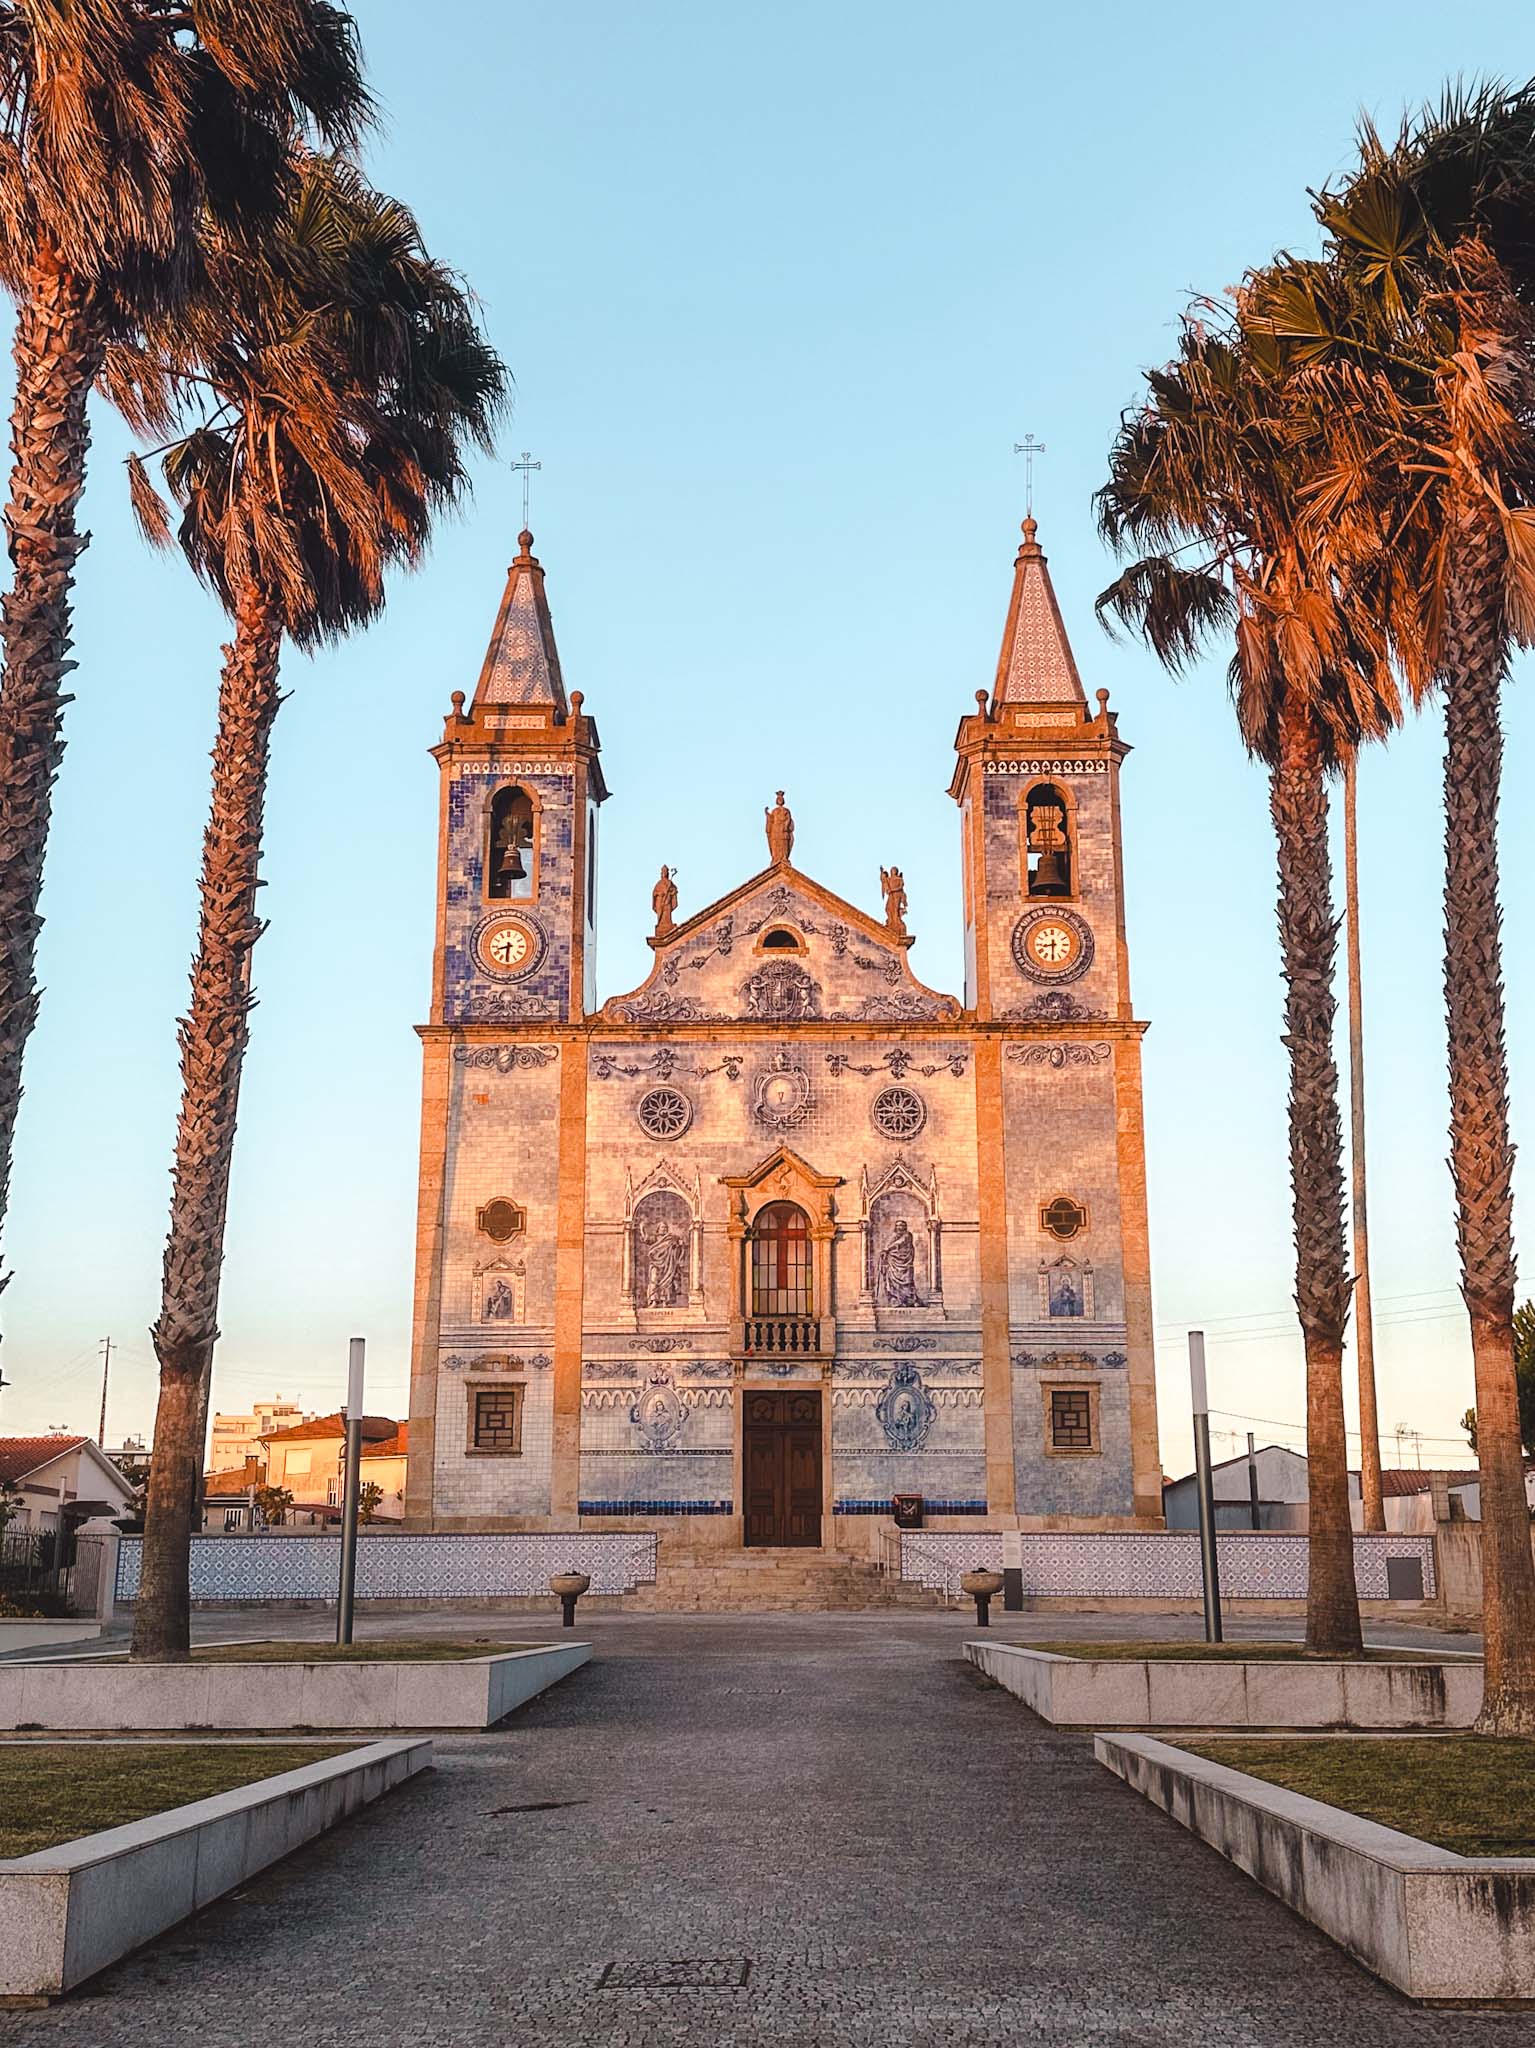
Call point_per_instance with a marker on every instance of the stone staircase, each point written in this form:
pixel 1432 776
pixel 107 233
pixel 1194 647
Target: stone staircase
pixel 706 1578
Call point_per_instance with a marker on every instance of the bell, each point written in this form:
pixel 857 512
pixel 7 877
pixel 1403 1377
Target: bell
pixel 1050 877
pixel 512 869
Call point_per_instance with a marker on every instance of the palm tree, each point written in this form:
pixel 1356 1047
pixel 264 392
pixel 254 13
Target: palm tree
pixel 1214 461
pixel 323 391
pixel 119 121
pixel 1429 289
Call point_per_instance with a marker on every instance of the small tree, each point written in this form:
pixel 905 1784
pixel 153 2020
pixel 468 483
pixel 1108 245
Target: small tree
pixel 274 1503
pixel 10 1503
pixel 370 1498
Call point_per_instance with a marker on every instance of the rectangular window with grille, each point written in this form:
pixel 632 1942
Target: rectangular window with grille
pixel 1071 1419
pixel 495 1421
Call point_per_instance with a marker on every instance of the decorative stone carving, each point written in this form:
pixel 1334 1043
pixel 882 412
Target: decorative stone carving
pixel 663 1113
pixel 660 1008
pixel 905 1410
pixel 505 1059
pixel 662 1344
pixel 897 1004
pixel 899 1062
pixel 780 992
pixel 1058 1006
pixel 1077 1052
pixel 781 1093
pixel 898 1113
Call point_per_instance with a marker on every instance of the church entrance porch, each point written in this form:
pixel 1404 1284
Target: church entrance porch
pixel 781 1467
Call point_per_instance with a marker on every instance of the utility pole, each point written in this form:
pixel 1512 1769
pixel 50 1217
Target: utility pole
pixel 106 1367
pixel 1374 1506
pixel 1209 1565
pixel 1252 1480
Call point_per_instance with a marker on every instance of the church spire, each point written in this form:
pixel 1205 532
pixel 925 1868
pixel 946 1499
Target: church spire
pixel 522 664
pixel 1036 664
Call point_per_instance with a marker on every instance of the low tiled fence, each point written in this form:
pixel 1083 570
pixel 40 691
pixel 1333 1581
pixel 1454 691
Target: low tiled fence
pixel 1060 1564
pixel 402 1567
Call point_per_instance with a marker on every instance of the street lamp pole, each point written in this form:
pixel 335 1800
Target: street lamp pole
pixel 1205 1484
pixel 352 1493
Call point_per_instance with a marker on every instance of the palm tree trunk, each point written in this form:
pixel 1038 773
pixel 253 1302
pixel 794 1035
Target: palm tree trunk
pixel 213 1038
pixel 1374 1517
pixel 1308 946
pixel 57 352
pixel 1481 1150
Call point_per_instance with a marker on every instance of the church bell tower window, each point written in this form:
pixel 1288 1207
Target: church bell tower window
pixel 1047 841
pixel 511 855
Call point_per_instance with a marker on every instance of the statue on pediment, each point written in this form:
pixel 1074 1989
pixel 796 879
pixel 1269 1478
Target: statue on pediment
pixel 779 820
pixel 893 883
pixel 663 901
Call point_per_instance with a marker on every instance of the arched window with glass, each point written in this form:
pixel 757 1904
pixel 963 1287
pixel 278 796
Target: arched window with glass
pixel 781 1283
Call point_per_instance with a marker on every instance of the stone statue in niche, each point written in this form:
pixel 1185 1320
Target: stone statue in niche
pixel 665 1275
pixel 780 830
pixel 896 1272
pixel 893 882
pixel 663 901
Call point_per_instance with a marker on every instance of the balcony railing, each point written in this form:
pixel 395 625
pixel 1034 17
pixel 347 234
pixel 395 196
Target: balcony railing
pixel 781 1336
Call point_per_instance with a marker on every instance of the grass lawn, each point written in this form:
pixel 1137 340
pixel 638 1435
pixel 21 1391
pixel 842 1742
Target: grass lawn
pixel 52 1792
pixel 1198 1653
pixel 1473 1794
pixel 382 1650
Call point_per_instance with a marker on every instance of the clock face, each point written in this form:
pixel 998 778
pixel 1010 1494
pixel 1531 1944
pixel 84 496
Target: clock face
pixel 508 946
pixel 1053 945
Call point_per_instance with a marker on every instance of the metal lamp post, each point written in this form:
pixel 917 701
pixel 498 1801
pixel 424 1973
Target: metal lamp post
pixel 352 1492
pixel 1205 1487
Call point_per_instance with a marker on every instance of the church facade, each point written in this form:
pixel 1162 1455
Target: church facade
pixel 783 1233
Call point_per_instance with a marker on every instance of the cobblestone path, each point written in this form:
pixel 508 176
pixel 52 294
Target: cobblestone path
pixel 831 1808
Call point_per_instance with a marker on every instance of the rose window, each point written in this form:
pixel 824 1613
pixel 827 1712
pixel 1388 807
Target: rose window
pixel 664 1113
pixel 898 1112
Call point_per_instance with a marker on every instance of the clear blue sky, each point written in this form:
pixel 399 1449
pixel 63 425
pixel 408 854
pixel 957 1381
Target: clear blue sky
pixel 781 287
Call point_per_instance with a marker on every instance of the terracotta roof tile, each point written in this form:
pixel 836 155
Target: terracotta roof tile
pixel 389 1446
pixel 373 1428
pixel 20 1455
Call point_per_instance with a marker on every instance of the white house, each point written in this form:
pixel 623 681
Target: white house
pixel 57 1474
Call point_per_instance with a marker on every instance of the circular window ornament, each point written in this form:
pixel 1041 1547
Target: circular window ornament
pixel 664 1113
pixel 509 946
pixel 1051 944
pixel 898 1113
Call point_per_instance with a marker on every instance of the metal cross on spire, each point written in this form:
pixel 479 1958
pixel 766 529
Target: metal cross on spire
pixel 1028 448
pixel 526 465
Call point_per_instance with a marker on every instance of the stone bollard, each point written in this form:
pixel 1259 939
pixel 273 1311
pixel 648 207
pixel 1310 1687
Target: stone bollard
pixel 982 1586
pixel 570 1586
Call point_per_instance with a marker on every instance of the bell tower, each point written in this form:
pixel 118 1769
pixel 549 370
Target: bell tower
pixel 521 785
pixel 1037 784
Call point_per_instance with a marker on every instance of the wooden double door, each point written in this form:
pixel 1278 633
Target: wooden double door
pixel 781 1466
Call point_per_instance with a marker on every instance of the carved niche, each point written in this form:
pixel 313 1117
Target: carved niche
pixel 902 1242
pixel 662 1245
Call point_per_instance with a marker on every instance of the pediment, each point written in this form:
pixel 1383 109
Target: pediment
pixel 844 966
pixel 782 1160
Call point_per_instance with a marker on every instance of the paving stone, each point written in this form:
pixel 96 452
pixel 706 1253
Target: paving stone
pixel 902 1854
